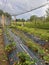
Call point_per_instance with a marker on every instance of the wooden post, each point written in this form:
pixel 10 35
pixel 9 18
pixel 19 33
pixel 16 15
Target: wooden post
pixel 3 20
pixel 15 20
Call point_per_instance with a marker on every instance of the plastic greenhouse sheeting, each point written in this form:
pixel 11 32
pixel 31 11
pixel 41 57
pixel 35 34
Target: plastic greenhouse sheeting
pixel 20 6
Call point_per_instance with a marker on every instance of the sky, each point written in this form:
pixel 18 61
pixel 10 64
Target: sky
pixel 20 6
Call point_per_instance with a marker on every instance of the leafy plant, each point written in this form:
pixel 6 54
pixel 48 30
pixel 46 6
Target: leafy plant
pixel 10 47
pixel 24 59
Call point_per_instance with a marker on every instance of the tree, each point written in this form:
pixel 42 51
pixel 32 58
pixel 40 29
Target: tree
pixel 47 12
pixel 20 20
pixel 33 18
pixel 8 15
pixel 1 12
pixel 23 20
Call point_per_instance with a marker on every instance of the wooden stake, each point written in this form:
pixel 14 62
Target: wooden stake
pixel 3 20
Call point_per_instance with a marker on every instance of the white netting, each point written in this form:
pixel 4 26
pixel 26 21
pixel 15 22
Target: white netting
pixel 20 6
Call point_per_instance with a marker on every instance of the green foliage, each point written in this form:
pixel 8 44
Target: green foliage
pixel 46 58
pixel 32 45
pixel 39 30
pixel 5 56
pixel 47 12
pixel 1 12
pixel 10 47
pixel 0 31
pixel 40 25
pixel 33 18
pixel 40 33
pixel 24 59
pixel 20 20
pixel 6 14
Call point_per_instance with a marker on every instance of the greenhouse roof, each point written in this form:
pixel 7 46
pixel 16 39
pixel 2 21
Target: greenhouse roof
pixel 21 6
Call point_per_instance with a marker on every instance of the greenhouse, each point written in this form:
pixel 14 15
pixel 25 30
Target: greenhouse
pixel 24 32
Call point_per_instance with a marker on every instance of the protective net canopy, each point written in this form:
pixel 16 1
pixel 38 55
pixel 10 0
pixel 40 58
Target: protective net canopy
pixel 20 6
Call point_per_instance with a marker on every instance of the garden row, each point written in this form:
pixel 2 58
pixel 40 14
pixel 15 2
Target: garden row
pixel 38 24
pixel 39 33
pixel 24 58
pixel 43 54
pixel 10 46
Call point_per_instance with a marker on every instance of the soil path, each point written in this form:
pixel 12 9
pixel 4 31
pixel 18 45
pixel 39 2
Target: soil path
pixel 3 58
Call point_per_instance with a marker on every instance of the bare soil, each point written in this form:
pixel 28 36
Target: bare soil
pixel 3 57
